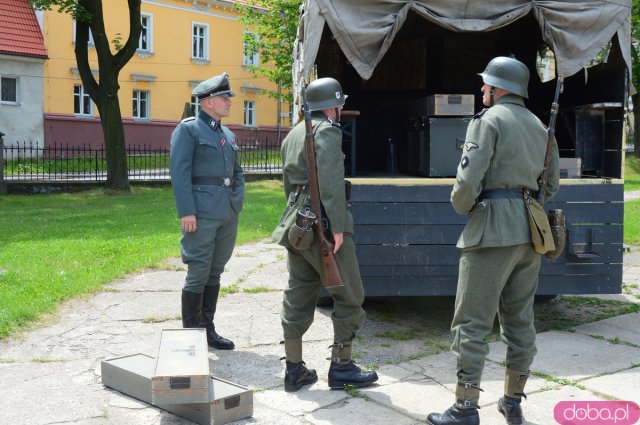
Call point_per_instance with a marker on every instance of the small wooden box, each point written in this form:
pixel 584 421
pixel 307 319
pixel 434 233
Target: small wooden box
pixel 181 373
pixel 450 104
pixel 570 168
pixel 131 375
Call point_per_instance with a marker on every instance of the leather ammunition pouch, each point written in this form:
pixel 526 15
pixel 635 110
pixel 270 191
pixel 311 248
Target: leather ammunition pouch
pixel 541 236
pixel 301 232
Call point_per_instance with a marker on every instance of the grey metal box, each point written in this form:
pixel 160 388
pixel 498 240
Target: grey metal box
pixel 435 148
pixel 443 104
pixel 131 375
pixel 181 373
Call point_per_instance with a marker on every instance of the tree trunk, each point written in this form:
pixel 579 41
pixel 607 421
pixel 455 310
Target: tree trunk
pixel 114 142
pixel 636 124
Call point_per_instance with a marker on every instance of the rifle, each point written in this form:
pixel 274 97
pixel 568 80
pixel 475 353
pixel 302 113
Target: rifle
pixel 555 216
pixel 330 271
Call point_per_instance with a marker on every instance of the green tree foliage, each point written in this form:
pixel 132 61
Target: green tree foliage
pixel 88 15
pixel 271 32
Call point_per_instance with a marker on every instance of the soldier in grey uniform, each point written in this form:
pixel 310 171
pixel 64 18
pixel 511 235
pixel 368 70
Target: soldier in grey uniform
pixel 325 101
pixel 502 159
pixel 208 188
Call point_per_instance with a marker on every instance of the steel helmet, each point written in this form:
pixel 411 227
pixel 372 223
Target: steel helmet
pixel 508 74
pixel 324 93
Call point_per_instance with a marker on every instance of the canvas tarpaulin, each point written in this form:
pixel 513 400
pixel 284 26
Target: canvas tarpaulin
pixel 365 29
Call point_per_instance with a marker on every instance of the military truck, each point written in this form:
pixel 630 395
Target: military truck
pixel 410 70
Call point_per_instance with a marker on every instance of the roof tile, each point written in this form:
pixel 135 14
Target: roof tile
pixel 19 30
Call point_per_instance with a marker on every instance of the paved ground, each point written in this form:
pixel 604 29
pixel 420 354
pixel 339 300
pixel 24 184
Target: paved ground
pixel 52 375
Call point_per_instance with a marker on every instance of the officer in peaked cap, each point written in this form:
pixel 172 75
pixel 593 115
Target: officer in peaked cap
pixel 208 188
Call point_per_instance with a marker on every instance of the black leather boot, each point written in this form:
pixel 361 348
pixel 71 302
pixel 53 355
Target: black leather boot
pixel 455 416
pixel 191 309
pixel 209 302
pixel 298 375
pixel 343 370
pixel 341 374
pixel 510 409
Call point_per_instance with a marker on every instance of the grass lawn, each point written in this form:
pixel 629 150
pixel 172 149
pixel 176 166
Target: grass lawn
pixel 60 246
pixel 631 173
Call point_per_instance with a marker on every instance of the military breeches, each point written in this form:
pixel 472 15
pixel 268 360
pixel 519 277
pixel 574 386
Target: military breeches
pixel 207 250
pixel 502 280
pixel 300 297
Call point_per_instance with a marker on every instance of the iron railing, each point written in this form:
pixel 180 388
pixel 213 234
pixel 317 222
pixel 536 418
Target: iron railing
pixel 25 162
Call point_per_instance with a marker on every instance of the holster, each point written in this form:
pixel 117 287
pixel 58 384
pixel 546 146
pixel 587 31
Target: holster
pixel 559 233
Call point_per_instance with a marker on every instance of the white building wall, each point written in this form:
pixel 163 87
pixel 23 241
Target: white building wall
pixel 24 121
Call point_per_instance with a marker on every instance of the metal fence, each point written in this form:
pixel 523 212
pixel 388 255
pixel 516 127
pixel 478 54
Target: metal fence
pixel 25 162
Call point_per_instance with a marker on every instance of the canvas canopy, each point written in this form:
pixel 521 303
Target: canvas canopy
pixel 365 29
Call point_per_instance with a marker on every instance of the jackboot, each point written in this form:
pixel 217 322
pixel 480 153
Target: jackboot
pixel 343 370
pixel 509 405
pixel 191 309
pixel 464 411
pixel 209 302
pixel 297 373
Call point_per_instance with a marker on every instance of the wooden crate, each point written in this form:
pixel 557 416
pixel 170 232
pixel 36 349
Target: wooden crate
pixel 181 373
pixel 227 402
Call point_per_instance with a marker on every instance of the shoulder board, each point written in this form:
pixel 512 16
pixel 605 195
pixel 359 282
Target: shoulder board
pixel 188 119
pixel 481 113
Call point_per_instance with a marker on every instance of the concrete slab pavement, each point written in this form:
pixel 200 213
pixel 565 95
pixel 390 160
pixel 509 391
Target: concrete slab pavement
pixel 52 375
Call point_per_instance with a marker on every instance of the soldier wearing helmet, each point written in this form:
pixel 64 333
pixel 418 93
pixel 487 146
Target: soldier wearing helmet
pixel 325 101
pixel 502 159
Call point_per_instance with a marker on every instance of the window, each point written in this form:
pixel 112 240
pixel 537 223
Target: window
pixel 195 106
pixel 249 113
pixel 141 104
pixel 9 90
pixel 146 34
pixel 249 57
pixel 91 43
pixel 81 101
pixel 200 40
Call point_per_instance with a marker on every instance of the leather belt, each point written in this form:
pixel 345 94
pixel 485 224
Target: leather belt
pixel 216 181
pixel 505 194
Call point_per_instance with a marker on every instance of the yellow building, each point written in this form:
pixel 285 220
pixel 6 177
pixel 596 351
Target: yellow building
pixel 182 44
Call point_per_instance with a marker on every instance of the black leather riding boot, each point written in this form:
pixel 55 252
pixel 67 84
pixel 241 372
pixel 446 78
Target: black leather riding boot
pixel 209 302
pixel 298 375
pixel 191 309
pixel 343 371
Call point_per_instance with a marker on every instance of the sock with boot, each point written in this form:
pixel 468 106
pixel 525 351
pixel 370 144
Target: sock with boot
pixel 343 370
pixel 296 375
pixel 509 405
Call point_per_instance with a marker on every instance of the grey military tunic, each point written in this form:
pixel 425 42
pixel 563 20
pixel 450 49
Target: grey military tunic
pixel 204 153
pixel 305 266
pixel 504 149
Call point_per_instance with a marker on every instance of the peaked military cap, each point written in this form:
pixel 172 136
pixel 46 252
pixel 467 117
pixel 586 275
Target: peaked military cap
pixel 214 86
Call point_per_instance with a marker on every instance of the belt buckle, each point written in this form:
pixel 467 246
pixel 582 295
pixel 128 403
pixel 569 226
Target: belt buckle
pixel 227 181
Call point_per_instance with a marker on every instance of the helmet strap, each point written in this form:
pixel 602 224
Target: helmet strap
pixel 337 111
pixel 491 96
